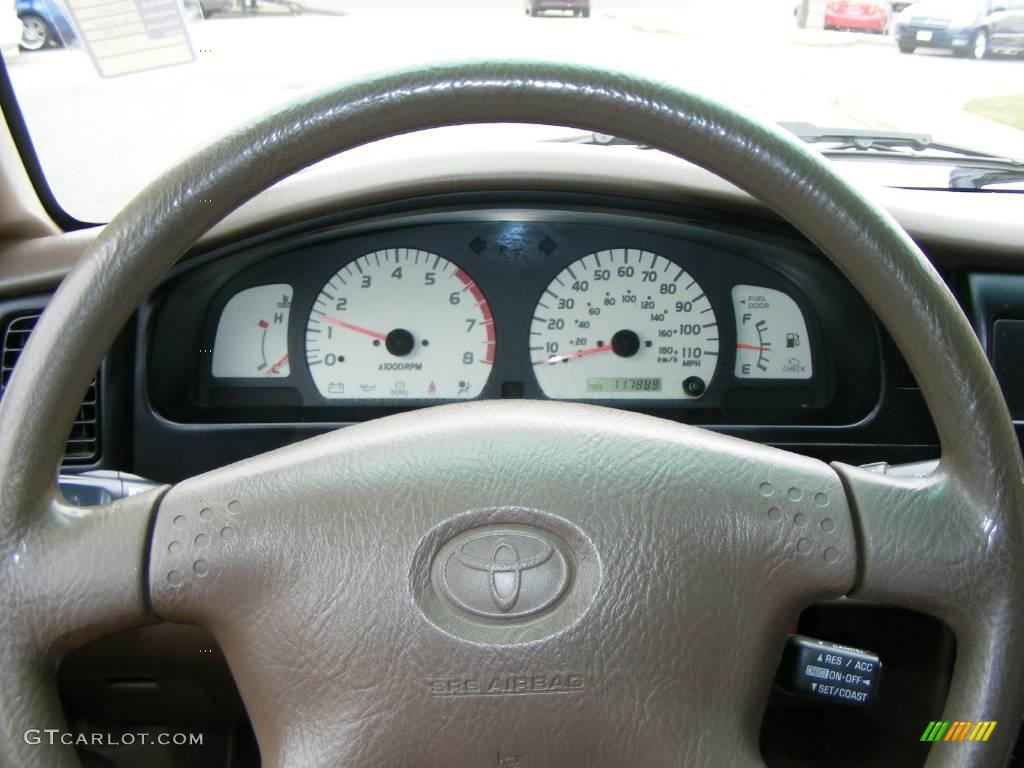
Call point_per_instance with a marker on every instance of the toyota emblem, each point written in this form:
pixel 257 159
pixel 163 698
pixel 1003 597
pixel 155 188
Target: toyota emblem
pixel 502 572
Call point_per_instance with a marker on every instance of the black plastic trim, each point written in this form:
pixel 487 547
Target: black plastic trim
pixel 114 382
pixel 990 297
pixel 763 253
pixel 897 429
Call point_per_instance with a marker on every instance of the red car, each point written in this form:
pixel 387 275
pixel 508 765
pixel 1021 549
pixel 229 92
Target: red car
pixel 855 16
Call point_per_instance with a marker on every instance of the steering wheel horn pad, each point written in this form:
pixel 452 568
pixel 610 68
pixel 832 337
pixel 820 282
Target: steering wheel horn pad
pixel 325 540
pixel 648 635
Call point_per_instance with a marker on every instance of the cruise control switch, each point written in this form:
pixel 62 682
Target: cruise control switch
pixel 824 670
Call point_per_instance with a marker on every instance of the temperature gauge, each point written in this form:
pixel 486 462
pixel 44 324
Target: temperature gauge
pixel 252 334
pixel 771 335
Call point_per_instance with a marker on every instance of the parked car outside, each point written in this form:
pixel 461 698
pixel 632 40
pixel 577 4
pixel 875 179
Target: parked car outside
pixel 970 28
pixel 855 16
pixel 578 7
pixel 10 32
pixel 45 23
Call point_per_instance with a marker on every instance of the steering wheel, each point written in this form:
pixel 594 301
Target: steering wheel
pixel 541 582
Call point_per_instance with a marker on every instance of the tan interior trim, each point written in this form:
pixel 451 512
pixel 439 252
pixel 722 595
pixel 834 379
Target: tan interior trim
pixel 22 216
pixel 964 226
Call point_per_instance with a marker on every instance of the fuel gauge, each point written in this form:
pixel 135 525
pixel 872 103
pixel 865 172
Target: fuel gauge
pixel 252 334
pixel 771 335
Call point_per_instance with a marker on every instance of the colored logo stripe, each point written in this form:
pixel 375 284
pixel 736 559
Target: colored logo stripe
pixel 935 730
pixel 982 731
pixel 958 730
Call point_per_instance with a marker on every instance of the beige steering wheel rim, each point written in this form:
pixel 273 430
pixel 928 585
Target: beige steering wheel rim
pixel 972 582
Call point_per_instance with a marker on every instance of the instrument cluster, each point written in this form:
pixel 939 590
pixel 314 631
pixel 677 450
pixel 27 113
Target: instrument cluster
pixel 644 315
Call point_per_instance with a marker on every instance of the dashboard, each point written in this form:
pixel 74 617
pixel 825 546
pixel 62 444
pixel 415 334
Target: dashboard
pixel 687 318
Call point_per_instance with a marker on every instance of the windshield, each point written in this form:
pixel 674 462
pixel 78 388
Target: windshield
pixel 114 92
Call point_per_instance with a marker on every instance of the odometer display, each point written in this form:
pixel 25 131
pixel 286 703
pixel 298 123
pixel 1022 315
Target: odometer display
pixel 400 324
pixel 623 385
pixel 624 324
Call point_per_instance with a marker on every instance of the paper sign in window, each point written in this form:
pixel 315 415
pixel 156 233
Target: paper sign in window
pixel 124 36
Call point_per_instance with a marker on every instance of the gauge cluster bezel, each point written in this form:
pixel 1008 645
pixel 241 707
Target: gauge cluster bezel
pixel 512 252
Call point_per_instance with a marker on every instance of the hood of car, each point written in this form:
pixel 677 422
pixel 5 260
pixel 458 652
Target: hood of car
pixel 948 9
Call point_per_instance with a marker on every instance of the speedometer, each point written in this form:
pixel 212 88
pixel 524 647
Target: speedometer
pixel 624 324
pixel 400 324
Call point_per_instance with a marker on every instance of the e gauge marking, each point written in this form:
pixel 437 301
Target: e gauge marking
pixel 771 335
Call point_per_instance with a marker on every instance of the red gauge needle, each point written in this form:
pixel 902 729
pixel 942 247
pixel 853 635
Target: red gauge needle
pixel 356 328
pixel 581 353
pixel 751 346
pixel 273 368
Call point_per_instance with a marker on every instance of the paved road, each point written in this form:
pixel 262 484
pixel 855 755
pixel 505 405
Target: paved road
pixel 104 139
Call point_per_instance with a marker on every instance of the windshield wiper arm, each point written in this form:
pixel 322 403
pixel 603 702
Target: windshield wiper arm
pixel 977 179
pixel 863 140
pixel 599 139
pixel 846 141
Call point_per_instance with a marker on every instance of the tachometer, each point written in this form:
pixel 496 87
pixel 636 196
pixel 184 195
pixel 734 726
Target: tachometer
pixel 624 324
pixel 400 324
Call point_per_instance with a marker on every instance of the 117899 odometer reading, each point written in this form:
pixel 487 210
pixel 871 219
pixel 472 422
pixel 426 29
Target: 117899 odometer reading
pixel 618 317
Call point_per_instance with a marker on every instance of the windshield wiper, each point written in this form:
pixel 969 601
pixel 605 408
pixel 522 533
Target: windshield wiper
pixel 977 179
pixel 599 139
pixel 845 141
pixel 885 143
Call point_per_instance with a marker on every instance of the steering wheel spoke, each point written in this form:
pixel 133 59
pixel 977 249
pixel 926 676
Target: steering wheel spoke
pixel 70 575
pixel 945 545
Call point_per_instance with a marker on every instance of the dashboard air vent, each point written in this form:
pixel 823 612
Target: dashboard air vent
pixel 83 443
